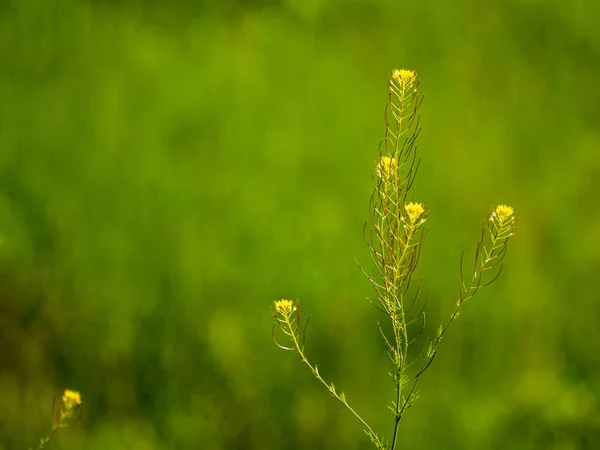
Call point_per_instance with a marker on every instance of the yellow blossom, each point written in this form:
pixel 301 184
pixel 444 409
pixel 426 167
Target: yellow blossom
pixel 404 76
pixel 285 307
pixel 503 212
pixel 414 210
pixel 71 399
pixel 386 167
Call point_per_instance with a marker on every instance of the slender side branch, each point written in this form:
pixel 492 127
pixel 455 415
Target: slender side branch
pixel 287 315
pixel 490 250
pixel 66 411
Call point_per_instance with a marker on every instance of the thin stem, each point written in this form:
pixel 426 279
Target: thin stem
pixel 45 440
pixel 397 419
pixel 341 397
pixel 402 349
pixel 428 361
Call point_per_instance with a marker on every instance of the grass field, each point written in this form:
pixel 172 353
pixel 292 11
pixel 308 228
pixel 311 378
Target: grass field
pixel 168 169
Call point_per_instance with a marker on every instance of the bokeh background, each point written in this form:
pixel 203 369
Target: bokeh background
pixel 169 168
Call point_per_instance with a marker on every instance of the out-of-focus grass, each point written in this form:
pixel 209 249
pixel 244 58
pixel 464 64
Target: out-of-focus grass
pixel 166 172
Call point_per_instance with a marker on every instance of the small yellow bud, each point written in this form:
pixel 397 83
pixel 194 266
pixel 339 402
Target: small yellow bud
pixel 386 167
pixel 414 210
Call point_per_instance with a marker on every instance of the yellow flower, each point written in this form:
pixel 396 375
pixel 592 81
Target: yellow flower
pixel 403 76
pixel 414 210
pixel 386 167
pixel 71 399
pixel 503 212
pixel 285 307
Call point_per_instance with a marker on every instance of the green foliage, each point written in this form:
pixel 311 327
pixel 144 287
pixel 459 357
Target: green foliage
pixel 166 166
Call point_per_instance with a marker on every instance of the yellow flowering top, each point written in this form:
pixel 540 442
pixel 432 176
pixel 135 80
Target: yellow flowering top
pixel 404 76
pixel 414 210
pixel 285 307
pixel 71 399
pixel 503 212
pixel 386 167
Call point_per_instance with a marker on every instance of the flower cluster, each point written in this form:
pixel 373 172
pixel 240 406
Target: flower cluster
pixel 502 213
pixel 386 167
pixel 287 317
pixel 404 76
pixel 71 399
pixel 67 409
pixel 285 308
pixel 414 211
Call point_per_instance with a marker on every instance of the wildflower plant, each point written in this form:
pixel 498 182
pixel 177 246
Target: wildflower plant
pixel 66 411
pixel 394 235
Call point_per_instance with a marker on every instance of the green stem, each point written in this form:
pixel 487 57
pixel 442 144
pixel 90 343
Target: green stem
pixel 45 440
pixel 401 349
pixel 329 388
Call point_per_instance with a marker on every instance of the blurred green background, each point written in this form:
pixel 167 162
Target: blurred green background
pixel 169 168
